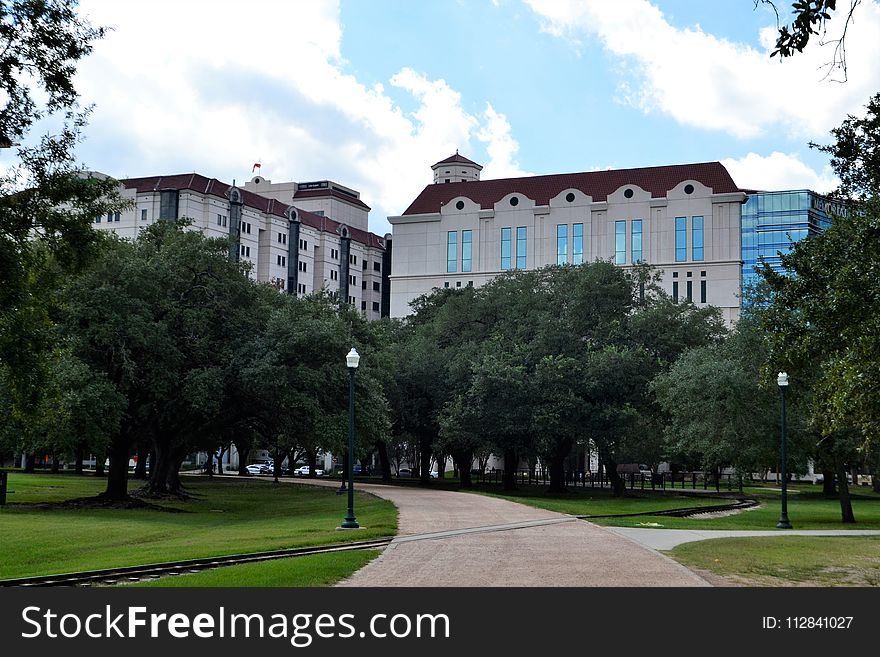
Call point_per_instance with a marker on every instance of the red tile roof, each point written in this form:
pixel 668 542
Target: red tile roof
pixel 597 184
pixel 458 159
pixel 213 187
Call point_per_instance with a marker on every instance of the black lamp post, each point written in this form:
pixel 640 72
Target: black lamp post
pixel 782 382
pixel 351 360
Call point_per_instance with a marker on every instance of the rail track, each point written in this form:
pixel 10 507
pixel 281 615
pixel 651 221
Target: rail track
pixel 109 576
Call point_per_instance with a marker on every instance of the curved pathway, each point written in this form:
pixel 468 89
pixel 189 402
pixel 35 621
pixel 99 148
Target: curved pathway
pixel 449 538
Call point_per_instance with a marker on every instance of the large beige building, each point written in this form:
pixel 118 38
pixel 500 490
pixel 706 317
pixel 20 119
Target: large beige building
pixel 300 237
pixel 683 219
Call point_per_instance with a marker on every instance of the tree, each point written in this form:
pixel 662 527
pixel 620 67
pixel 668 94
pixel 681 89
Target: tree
pixel 824 310
pixel 811 18
pixel 46 206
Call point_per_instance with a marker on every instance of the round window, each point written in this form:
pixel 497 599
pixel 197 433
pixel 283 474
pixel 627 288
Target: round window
pixel 569 197
pixel 459 205
pixel 628 193
pixel 688 189
pixel 514 201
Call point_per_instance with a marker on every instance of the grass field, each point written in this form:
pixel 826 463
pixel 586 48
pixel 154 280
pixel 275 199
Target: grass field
pixel 225 516
pixel 808 508
pixel 312 570
pixel 787 560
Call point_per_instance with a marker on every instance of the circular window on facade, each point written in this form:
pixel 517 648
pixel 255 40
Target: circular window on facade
pixel 257 180
pixel 688 189
pixel 514 201
pixel 628 193
pixel 459 205
pixel 569 197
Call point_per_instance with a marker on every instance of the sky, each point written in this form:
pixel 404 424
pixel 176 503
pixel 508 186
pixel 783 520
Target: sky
pixel 370 93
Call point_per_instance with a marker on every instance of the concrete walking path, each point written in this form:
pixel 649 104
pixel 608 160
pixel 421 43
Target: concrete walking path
pixel 666 539
pixel 448 538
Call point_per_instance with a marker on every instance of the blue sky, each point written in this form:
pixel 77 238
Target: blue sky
pixel 371 93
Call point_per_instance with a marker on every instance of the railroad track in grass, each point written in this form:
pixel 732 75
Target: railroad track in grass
pixel 685 512
pixel 109 576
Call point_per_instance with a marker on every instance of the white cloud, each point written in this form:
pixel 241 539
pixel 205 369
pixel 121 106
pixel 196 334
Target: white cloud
pixel 500 145
pixel 778 171
pixel 213 87
pixel 709 82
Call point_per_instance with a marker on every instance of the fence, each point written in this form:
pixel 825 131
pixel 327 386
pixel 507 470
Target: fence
pixel 632 480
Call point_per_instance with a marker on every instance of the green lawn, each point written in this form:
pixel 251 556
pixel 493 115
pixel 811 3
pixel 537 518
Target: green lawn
pixel 598 502
pixel 787 560
pixel 225 516
pixel 311 570
pixel 808 508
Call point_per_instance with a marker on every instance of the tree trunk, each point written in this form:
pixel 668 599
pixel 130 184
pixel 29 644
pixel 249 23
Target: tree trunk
pixel 828 487
pixel 56 464
pixel 618 485
pixel 223 449
pixel 78 457
pixel 509 477
pixel 425 461
pixel 143 452
pixel 99 465
pixel 173 483
pixel 117 480
pixel 463 460
pixel 384 463
pixel 159 474
pixel 312 461
pixel 276 465
pixel 243 451
pixel 30 463
pixel 846 510
pixel 557 473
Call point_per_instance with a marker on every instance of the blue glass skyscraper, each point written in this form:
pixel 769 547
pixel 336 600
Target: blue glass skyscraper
pixel 773 221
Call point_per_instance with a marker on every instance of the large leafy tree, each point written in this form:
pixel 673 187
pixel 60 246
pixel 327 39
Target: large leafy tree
pixel 46 205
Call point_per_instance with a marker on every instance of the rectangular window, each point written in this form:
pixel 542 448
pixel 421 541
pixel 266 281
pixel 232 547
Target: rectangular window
pixel 375 306
pixel 377 267
pixel 466 249
pixel 675 290
pixel 521 247
pixel 97 220
pixel 619 242
pixel 352 259
pixel 577 244
pixel 451 250
pixel 376 286
pixel 303 266
pixel 697 238
pixel 690 290
pixel 702 291
pixel 334 275
pixel 143 215
pixel 561 244
pixel 636 241
pixel 352 280
pixel 363 305
pixel 680 239
pixel 363 284
pixel 219 219
pixel 116 216
pixel 365 265
pixel 109 217
pixel 505 248
pixel 168 204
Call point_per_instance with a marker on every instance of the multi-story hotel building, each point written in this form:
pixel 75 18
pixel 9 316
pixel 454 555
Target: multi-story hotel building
pixel 682 219
pixel 300 237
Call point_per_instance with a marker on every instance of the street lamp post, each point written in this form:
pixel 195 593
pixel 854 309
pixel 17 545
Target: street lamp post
pixel 782 382
pixel 351 360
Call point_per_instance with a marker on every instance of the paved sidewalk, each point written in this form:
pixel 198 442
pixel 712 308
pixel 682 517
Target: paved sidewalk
pixel 476 540
pixel 666 539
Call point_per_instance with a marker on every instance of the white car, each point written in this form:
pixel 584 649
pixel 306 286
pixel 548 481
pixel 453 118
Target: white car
pixel 303 471
pixel 255 468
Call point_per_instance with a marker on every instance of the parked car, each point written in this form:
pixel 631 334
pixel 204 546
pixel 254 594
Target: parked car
pixel 255 468
pixel 435 474
pixel 303 471
pixel 404 472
